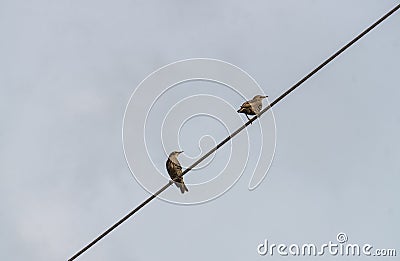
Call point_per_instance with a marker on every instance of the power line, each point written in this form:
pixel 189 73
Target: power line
pixel 333 56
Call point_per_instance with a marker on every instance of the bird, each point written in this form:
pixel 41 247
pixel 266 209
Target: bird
pixel 253 106
pixel 174 169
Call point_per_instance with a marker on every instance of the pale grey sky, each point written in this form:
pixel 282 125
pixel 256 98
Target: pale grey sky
pixel 68 68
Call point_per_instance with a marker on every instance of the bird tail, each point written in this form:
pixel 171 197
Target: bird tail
pixel 183 187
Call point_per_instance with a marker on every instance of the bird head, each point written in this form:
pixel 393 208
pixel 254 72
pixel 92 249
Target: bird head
pixel 259 97
pixel 175 153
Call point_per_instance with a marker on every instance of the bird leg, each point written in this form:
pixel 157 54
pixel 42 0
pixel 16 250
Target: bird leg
pixel 248 118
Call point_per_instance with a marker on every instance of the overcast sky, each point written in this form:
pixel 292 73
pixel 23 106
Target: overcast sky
pixel 68 69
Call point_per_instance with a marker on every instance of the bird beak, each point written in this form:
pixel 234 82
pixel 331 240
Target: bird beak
pixel 264 96
pixel 180 152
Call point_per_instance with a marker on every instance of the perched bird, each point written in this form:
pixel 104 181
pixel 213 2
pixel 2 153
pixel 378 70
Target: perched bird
pixel 253 106
pixel 175 170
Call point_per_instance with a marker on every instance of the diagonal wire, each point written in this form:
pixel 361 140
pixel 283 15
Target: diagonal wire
pixel 305 78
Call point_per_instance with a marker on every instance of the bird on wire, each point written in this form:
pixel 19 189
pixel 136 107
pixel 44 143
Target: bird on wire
pixel 174 169
pixel 253 106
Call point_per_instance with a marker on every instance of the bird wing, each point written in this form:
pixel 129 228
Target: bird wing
pixel 173 169
pixel 170 168
pixel 246 105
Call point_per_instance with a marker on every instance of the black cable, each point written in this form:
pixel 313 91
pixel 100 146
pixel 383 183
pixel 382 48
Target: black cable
pixel 238 130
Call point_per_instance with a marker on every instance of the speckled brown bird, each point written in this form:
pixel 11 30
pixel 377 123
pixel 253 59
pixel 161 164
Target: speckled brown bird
pixel 174 169
pixel 252 107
